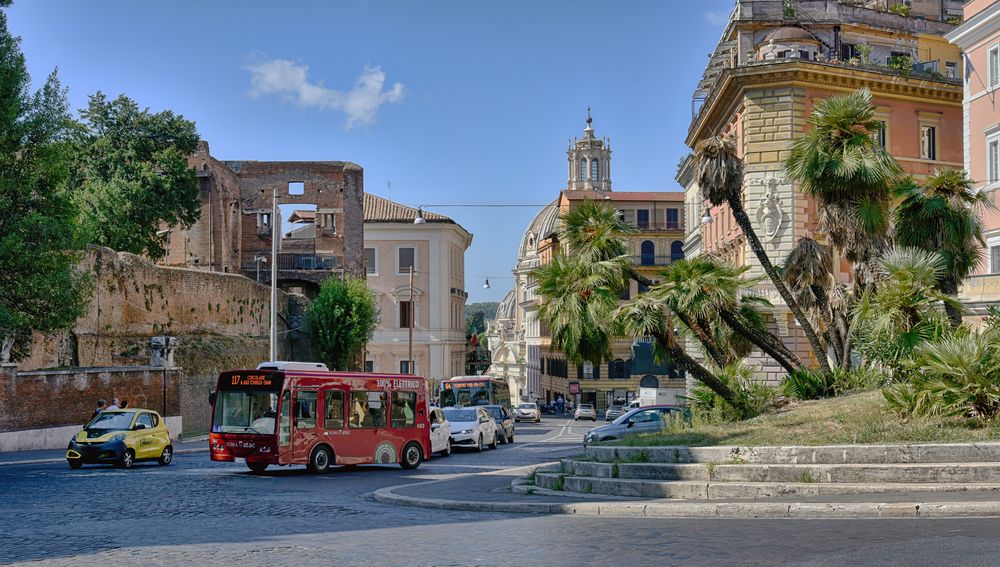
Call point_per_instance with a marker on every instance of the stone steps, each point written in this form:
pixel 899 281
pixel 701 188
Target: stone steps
pixel 699 490
pixel 830 454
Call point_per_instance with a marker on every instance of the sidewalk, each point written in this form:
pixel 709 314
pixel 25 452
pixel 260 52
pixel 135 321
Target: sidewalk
pixel 491 492
pixel 192 445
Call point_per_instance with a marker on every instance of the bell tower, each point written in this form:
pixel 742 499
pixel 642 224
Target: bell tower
pixel 589 161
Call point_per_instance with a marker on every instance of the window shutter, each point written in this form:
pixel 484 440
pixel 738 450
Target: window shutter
pixel 579 371
pixel 628 368
pixel 597 371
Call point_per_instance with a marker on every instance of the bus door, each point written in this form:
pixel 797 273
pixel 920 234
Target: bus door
pixel 304 430
pixel 334 424
pixel 366 439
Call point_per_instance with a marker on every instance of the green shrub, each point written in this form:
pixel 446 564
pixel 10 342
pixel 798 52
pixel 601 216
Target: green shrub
pixel 857 380
pixel 708 406
pixel 807 385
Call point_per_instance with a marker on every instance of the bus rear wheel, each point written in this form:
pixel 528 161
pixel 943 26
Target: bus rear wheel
pixel 321 460
pixel 256 468
pixel 413 455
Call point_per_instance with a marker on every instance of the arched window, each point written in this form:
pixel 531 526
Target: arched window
pixel 649 381
pixel 617 369
pixel 676 250
pixel 583 169
pixel 595 170
pixel 648 253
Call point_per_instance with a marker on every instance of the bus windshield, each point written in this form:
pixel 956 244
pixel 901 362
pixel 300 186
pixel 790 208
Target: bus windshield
pixel 466 393
pixel 240 411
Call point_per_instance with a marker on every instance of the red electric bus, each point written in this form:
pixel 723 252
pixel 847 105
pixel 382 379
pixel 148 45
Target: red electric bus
pixel 285 414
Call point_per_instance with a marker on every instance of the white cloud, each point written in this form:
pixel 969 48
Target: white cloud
pixel 716 18
pixel 290 81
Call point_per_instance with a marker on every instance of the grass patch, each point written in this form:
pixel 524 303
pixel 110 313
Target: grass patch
pixel 588 488
pixel 806 477
pixel 559 483
pixel 639 457
pixel 614 470
pixel 853 419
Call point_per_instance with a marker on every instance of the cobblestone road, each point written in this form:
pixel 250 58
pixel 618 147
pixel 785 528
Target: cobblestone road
pixel 196 512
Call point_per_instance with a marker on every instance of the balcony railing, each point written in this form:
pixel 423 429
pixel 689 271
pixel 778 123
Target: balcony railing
pixel 655 259
pixel 303 262
pixel 656 226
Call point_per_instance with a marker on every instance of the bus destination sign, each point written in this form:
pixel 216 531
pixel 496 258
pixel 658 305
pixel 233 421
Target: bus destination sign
pixel 454 385
pixel 251 381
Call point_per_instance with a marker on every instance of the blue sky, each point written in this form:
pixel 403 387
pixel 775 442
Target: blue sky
pixel 454 102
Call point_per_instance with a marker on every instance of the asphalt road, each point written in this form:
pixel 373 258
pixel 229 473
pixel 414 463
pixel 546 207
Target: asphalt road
pixel 196 512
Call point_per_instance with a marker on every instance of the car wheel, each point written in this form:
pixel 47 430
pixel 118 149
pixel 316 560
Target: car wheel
pixel 166 456
pixel 74 463
pixel 447 449
pixel 413 455
pixel 127 460
pixel 495 442
pixel 256 468
pixel 320 461
pixel 511 438
pixel 479 447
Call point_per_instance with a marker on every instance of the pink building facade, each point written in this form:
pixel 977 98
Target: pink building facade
pixel 979 39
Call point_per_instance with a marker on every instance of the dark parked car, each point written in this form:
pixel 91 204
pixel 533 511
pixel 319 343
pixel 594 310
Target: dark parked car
pixel 505 422
pixel 648 419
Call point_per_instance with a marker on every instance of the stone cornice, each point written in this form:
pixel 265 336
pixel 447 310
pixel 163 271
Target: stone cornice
pixel 976 28
pixel 733 82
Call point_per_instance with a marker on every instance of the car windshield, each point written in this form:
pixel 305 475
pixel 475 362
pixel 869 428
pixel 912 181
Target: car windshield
pixel 238 411
pixel 495 412
pixel 460 415
pixel 112 421
pixel 526 406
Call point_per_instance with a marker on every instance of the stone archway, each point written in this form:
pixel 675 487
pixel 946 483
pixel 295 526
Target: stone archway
pixel 649 381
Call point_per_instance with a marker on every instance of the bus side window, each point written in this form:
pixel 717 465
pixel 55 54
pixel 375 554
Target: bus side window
pixel 334 408
pixel 284 427
pixel 403 404
pixel 367 409
pixel 305 410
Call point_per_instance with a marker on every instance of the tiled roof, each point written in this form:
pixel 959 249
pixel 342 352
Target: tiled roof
pixel 379 209
pixel 671 196
pixel 302 216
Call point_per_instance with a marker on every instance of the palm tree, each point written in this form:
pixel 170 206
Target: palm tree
pixel 808 271
pixel 581 288
pixel 840 163
pixel 720 176
pixel 942 216
pixel 704 289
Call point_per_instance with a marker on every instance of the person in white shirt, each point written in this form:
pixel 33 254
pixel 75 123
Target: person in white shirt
pixel 114 405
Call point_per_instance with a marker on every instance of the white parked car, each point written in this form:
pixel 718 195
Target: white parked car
pixel 472 427
pixel 585 411
pixel 528 411
pixel 440 432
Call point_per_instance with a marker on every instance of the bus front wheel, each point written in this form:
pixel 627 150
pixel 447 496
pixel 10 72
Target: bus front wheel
pixel 413 455
pixel 256 468
pixel 321 460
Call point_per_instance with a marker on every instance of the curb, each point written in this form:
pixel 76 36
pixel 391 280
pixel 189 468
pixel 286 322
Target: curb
pixel 61 460
pixel 734 510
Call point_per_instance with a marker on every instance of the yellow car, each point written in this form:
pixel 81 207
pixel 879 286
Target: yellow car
pixel 121 437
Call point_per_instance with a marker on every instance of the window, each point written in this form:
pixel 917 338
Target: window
pixel 305 410
pixel 993 159
pixel 405 314
pixel 296 188
pixel 951 69
pixel 995 259
pixel 595 169
pixel 897 58
pixel 328 222
pixel 928 147
pixel 404 406
pixel 647 253
pixel 333 418
pixel 371 265
pixel 676 251
pixel 588 370
pixel 369 366
pixel 848 51
pixel 145 419
pixel 404 367
pixel 880 134
pixel 284 427
pixel 583 169
pixel 993 67
pixel 367 409
pixel 617 369
pixel 407 260
pixel 673 219
pixel 642 218
pixel 264 222
pixel 804 54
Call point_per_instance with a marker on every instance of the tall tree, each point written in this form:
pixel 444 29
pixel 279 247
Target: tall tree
pixel 942 216
pixel 130 174
pixel 341 320
pixel 40 246
pixel 720 176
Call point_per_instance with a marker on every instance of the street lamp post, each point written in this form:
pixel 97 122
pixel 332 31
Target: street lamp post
pixel 409 368
pixel 274 273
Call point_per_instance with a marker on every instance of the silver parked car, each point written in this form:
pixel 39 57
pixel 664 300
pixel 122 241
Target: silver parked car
pixel 585 411
pixel 528 411
pixel 649 419
pixel 613 412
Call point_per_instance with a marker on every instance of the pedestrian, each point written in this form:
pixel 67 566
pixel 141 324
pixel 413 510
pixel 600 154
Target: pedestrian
pixel 100 408
pixel 114 405
pixel 124 404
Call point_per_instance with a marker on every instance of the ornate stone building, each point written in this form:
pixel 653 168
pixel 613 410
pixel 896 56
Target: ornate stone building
pixel 773 64
pixel 520 344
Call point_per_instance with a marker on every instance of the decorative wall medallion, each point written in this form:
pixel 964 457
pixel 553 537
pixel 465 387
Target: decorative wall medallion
pixel 770 217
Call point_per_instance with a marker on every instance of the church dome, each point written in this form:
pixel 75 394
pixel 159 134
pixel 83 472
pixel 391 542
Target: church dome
pixel 542 226
pixel 790 33
pixel 505 311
